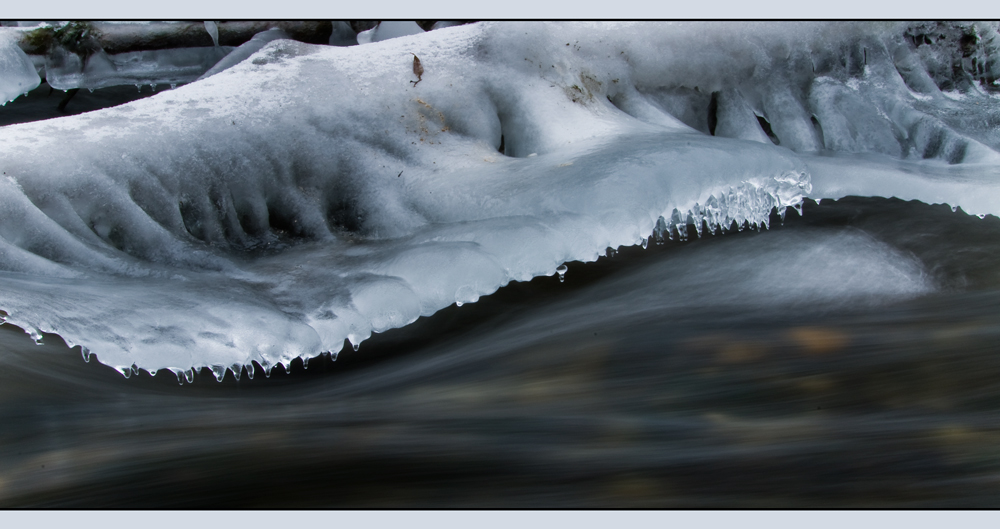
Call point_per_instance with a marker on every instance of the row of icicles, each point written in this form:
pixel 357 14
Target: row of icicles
pixel 138 86
pixel 674 229
pixel 187 375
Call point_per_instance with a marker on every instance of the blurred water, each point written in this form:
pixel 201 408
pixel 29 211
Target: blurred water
pixel 843 359
pixel 44 102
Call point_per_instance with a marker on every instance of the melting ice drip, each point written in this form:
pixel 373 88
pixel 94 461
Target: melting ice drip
pixel 311 195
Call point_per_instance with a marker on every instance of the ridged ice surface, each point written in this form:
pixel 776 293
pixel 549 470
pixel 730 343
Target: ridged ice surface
pixel 313 194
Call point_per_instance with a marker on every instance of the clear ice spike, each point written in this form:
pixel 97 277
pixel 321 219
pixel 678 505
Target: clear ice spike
pixel 562 272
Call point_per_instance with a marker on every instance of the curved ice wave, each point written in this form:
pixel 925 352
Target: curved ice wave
pixel 315 194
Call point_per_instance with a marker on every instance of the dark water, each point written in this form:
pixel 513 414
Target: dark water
pixel 647 379
pixel 46 102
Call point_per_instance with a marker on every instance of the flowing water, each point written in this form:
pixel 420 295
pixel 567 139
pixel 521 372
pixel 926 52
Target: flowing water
pixel 643 380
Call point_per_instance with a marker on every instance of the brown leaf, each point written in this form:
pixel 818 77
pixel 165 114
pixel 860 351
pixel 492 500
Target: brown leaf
pixel 418 70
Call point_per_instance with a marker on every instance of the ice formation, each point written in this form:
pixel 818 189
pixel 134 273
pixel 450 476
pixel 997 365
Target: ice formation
pixel 65 70
pixel 390 29
pixel 312 194
pixel 17 72
pixel 245 50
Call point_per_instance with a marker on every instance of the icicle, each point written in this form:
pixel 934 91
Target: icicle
pixel 35 335
pixel 562 272
pixel 305 362
pixel 333 356
pixel 660 230
pixel 219 372
pixel 682 231
pixel 212 28
pixel 189 375
pixel 696 218
pixel 458 303
pixel 86 354
pixel 249 366
pixel 679 224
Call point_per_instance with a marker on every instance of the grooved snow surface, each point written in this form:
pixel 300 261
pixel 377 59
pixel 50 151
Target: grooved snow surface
pixel 313 194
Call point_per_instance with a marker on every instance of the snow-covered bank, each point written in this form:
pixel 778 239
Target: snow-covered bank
pixel 313 194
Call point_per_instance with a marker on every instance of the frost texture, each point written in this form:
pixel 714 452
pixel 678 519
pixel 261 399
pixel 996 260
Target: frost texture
pixel 313 194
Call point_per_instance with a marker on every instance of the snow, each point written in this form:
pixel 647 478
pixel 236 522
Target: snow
pixel 312 194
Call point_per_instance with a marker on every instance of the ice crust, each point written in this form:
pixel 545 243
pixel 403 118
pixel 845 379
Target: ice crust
pixel 312 194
